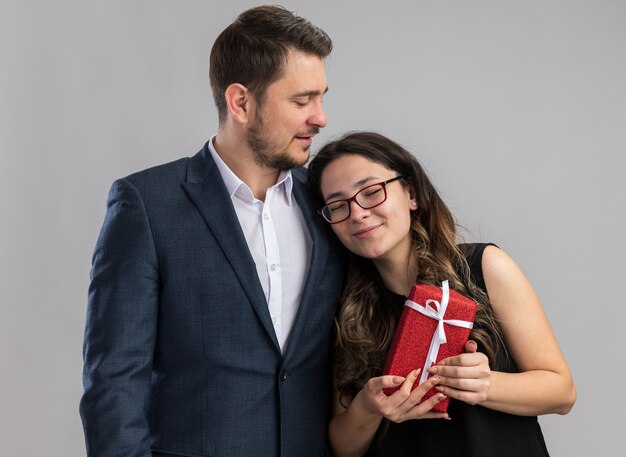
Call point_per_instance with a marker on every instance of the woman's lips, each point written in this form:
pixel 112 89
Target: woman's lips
pixel 367 231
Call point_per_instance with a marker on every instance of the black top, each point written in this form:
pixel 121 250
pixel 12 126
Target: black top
pixel 474 431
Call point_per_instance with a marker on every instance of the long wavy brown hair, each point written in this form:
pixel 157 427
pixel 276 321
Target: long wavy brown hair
pixel 367 316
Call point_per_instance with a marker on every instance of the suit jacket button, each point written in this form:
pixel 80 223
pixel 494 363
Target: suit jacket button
pixel 282 376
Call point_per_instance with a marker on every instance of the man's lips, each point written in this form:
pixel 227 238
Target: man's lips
pixel 307 136
pixel 307 139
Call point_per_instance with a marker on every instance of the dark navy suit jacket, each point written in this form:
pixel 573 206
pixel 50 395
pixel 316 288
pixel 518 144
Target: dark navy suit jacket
pixel 180 354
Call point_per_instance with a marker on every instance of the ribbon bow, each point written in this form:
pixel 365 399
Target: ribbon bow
pixel 437 311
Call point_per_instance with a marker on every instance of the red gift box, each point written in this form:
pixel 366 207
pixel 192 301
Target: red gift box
pixel 434 325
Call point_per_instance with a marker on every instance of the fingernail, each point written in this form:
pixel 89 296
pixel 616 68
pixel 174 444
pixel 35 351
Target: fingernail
pixel 432 370
pixel 436 378
pixel 416 372
pixel 442 398
pixel 398 380
pixel 439 388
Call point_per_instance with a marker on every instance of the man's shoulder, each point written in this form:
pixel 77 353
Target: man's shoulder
pixel 158 183
pixel 160 174
pixel 299 173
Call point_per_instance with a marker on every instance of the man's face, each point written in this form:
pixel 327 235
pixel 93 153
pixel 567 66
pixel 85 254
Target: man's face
pixel 291 114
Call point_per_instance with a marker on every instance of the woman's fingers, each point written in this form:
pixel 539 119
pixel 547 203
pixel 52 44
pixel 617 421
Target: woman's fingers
pixel 419 391
pixel 472 397
pixel 405 403
pixel 423 409
pixel 465 377
pixel 407 385
pixel 473 372
pixel 384 382
pixel 471 346
pixel 467 359
pixel 391 403
pixel 372 395
pixel 468 365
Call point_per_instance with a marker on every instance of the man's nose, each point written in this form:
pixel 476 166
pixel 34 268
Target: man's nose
pixel 318 117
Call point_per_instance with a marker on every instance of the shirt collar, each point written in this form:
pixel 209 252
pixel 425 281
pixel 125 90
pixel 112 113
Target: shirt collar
pixel 236 186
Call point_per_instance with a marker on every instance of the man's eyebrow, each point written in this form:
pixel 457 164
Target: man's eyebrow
pixel 356 185
pixel 309 93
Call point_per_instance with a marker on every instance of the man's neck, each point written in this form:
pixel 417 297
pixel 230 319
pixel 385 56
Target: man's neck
pixel 240 159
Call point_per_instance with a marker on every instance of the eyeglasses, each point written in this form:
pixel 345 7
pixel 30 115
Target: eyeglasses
pixel 367 198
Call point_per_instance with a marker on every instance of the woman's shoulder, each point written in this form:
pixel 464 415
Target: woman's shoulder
pixel 473 253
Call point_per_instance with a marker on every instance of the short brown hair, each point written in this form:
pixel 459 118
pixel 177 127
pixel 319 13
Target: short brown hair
pixel 253 50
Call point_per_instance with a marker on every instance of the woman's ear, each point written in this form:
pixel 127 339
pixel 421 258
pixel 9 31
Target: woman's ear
pixel 238 102
pixel 413 198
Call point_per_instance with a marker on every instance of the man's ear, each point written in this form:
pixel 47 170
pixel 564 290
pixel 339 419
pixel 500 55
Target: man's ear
pixel 238 102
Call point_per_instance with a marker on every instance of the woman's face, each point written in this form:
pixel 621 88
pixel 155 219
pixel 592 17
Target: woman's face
pixel 381 233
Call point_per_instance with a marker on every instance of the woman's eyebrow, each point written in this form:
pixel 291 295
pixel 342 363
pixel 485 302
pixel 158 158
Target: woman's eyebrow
pixel 356 185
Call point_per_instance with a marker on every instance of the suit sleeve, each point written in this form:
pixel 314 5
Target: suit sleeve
pixel 120 330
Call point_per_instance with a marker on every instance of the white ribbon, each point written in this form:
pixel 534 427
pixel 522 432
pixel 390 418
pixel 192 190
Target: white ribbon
pixel 439 337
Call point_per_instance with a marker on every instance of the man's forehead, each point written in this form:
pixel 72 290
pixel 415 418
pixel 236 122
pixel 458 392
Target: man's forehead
pixel 304 67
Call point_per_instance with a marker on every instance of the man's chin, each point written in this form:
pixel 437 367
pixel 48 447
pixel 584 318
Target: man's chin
pixel 306 155
pixel 291 162
pixel 295 159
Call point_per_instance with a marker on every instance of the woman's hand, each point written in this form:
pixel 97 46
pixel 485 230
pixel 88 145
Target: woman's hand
pixel 403 404
pixel 466 377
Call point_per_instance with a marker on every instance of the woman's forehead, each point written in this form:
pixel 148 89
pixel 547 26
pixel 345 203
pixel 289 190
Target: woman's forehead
pixel 349 173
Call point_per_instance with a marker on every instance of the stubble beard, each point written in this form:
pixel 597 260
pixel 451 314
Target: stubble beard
pixel 269 154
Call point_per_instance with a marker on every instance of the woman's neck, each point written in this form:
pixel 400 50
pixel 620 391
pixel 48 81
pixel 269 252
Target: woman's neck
pixel 398 276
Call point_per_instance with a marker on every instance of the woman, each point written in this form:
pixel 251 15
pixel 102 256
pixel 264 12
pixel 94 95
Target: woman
pixel 384 209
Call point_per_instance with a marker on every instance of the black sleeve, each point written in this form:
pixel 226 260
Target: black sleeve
pixel 474 255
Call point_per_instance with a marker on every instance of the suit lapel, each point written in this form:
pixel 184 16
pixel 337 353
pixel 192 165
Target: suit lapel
pixel 207 191
pixel 319 252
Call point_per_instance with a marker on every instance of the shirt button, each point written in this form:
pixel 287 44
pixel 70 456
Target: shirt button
pixel 282 376
pixel 273 267
pixel 265 216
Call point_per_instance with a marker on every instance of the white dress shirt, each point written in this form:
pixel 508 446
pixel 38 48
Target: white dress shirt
pixel 279 242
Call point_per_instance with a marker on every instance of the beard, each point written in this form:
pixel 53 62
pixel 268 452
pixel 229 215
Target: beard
pixel 270 153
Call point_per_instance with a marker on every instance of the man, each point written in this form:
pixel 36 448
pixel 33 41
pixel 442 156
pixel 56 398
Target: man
pixel 214 282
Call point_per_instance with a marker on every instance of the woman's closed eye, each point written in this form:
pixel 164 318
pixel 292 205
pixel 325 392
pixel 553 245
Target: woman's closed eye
pixel 338 206
pixel 372 192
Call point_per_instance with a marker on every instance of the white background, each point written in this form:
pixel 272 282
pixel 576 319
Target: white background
pixel 516 108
